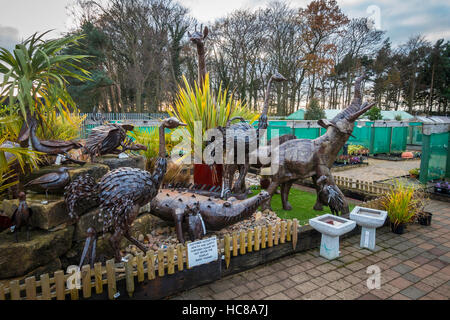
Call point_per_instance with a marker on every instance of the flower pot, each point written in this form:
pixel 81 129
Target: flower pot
pixel 425 219
pixel 208 175
pixel 398 229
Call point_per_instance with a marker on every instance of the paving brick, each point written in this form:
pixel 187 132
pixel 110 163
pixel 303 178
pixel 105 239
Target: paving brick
pixel 314 295
pixel 300 278
pixel 413 292
pixel 399 296
pixel 273 288
pixel 402 268
pixel 306 287
pixel 368 296
pixel 401 283
pixel 340 285
pixel 332 276
pixel 278 296
pixel 293 293
pixel 348 294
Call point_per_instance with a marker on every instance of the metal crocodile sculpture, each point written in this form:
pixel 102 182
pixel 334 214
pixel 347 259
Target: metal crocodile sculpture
pixel 197 214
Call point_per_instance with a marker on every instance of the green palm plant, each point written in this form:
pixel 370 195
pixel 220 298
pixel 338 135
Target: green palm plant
pixel 199 104
pixel 34 74
pixel 10 154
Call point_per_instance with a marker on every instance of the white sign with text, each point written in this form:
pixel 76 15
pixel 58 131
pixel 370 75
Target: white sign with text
pixel 202 251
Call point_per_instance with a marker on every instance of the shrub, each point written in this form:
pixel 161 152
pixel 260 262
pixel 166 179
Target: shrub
pixel 404 202
pixel 314 111
pixel 374 114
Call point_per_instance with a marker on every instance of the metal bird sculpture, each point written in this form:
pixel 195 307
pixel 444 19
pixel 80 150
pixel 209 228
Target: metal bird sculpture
pixel 51 181
pixel 21 216
pixel 108 138
pixel 121 193
pixel 53 147
pixel 330 196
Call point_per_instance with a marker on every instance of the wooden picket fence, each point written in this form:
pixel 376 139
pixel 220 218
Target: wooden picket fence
pixel 144 266
pixel 360 185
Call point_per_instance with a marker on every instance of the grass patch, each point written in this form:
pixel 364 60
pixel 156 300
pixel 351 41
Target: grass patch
pixel 302 205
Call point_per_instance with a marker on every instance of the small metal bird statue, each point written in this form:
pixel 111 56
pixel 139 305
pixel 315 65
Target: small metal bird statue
pixel 53 147
pixel 21 216
pixel 51 181
pixel 108 138
pixel 330 195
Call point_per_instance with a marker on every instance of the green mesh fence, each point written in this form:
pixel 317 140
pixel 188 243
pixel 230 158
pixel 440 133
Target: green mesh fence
pixel 435 160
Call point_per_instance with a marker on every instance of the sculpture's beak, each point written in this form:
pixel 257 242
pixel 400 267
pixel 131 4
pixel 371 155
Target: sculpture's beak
pixel 182 124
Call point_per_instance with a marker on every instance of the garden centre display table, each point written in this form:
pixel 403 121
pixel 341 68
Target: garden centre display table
pixel 331 228
pixel 369 220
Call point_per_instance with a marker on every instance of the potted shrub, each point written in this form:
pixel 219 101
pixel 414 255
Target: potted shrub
pixel 403 203
pixel 424 218
pixel 414 173
pixel 194 104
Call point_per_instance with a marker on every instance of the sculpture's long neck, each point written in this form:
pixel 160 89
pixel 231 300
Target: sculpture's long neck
pixel 201 64
pixel 263 120
pixel 34 139
pixel 331 143
pixel 161 163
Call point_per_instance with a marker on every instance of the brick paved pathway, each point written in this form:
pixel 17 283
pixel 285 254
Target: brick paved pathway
pixel 415 265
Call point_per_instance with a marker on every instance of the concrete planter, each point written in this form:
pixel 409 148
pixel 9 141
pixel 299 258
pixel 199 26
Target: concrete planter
pixel 331 228
pixel 369 219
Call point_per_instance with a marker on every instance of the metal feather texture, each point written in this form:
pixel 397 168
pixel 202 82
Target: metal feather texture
pixel 81 190
pixel 120 190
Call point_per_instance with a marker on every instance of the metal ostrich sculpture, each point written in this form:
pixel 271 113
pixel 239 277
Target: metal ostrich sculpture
pixel 121 193
pixel 240 133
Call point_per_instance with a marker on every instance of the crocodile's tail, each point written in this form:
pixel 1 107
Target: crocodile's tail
pixel 81 193
pixel 245 208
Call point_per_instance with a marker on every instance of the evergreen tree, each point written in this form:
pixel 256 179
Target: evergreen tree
pixel 314 111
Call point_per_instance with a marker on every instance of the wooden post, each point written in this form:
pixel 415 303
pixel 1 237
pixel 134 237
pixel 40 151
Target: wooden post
pixel 170 260
pixel 160 262
pixel 30 288
pixel 289 230
pixel 98 278
pixel 269 236
pixel 45 287
pixel 60 285
pixel 86 280
pixel 150 265
pixel 235 244
pixel 227 252
pixel 140 266
pixel 257 238
pixel 111 276
pixel 249 241
pixel 283 232
pixel 187 256
pixel 14 289
pixel 277 234
pixel 263 237
pixel 180 257
pixel 242 242
pixel 129 275
pixel 294 233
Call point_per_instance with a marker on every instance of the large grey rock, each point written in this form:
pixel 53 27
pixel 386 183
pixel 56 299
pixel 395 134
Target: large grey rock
pixel 17 259
pixel 45 216
pixel 143 224
pixel 114 162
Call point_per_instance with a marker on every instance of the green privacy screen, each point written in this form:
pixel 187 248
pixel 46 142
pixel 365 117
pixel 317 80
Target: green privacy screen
pixel 435 161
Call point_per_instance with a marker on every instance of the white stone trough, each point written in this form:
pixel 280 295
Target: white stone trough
pixel 369 219
pixel 331 227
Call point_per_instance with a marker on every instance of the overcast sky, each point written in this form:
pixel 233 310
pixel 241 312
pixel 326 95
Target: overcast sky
pixel 400 18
